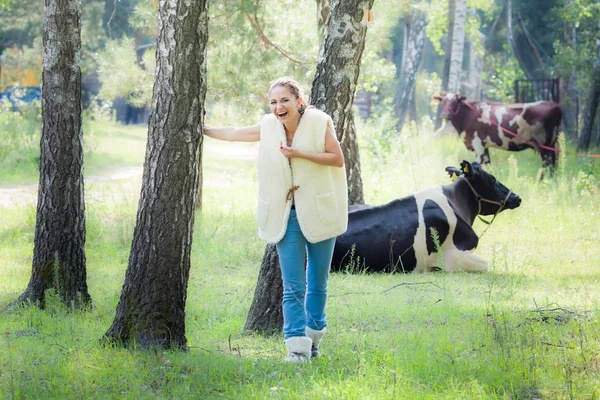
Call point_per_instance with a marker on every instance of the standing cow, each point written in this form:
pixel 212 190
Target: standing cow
pixel 397 237
pixel 480 124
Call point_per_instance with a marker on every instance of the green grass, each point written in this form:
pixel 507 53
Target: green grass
pixel 528 328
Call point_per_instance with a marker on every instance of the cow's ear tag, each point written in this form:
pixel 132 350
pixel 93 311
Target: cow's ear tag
pixel 466 169
pixel 453 177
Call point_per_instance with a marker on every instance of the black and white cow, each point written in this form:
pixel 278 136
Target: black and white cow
pixel 397 237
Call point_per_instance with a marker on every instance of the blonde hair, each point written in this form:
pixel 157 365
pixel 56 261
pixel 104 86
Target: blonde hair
pixel 292 85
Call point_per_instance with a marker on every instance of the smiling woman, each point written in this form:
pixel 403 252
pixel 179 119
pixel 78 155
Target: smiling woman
pixel 302 204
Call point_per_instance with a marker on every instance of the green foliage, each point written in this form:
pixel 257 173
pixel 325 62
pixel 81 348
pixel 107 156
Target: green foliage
pixel 20 25
pixel 122 76
pixel 19 141
pixel 437 25
pixel 22 66
pixel 377 70
pixel 577 59
pixel 499 75
pixel 253 43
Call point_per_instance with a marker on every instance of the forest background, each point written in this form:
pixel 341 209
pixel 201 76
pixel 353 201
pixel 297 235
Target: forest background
pixel 528 329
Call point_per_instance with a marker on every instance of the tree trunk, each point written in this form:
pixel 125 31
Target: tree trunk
pixel 458 46
pixel 333 92
pixel 447 56
pixel 411 61
pixel 151 310
pixel 59 244
pixel 266 314
pixel 335 80
pixel 589 114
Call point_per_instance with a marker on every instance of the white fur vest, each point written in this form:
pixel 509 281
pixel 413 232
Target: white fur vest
pixel 321 199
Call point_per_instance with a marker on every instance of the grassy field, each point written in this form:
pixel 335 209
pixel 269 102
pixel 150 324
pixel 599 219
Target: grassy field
pixel 527 329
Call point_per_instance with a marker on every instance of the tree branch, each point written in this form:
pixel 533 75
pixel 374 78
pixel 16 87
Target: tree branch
pixel 254 21
pixel 536 53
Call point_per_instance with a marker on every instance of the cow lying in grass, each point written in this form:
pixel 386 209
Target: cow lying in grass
pixel 429 230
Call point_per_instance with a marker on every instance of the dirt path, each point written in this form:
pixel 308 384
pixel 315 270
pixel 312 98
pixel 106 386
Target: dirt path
pixel 15 195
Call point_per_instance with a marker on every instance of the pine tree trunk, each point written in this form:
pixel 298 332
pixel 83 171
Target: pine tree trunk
pixel 151 310
pixel 59 245
pixel 458 46
pixel 590 112
pixel 266 314
pixel 447 57
pixel 411 61
pixel 334 84
pixel 333 92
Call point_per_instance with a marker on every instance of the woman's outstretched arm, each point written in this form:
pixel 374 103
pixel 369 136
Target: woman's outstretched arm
pixel 233 133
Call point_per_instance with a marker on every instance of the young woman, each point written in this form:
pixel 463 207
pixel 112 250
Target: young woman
pixel 302 206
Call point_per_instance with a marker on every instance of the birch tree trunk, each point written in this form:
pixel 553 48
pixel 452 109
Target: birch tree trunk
pixel 411 60
pixel 333 92
pixel 458 46
pixel 447 57
pixel 333 87
pixel 59 244
pixel 151 310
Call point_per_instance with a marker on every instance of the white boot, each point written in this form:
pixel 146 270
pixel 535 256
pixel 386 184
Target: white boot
pixel 298 348
pixel 316 337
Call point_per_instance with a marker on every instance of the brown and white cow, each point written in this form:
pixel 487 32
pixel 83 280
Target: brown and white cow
pixel 480 123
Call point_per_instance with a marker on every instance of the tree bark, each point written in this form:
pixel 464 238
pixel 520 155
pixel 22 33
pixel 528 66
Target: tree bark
pixel 266 314
pixel 458 46
pixel 333 87
pixel 333 92
pixel 151 310
pixel 59 244
pixel 447 57
pixel 411 61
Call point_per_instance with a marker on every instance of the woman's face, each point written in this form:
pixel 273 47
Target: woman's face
pixel 284 104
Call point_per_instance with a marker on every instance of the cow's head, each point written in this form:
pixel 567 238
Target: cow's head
pixel 491 194
pixel 450 103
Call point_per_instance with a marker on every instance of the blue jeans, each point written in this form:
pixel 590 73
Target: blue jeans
pixel 303 304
